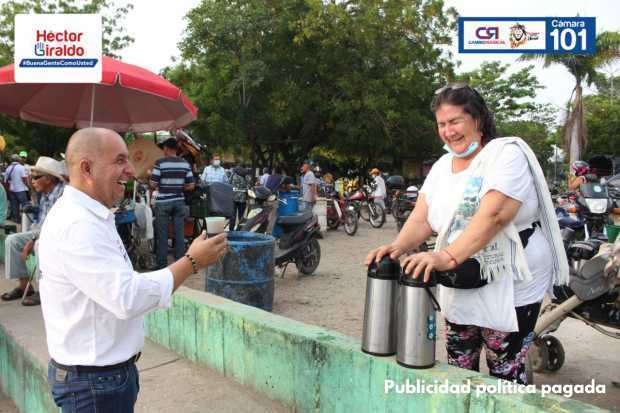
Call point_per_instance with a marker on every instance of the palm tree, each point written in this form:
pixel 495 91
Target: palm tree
pixel 583 68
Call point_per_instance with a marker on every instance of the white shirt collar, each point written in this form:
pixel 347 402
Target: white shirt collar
pixel 87 202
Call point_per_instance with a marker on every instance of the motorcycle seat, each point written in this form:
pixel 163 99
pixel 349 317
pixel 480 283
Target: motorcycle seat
pixel 295 219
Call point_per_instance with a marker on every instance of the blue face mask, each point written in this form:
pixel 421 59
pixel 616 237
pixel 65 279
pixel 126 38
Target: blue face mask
pixel 471 149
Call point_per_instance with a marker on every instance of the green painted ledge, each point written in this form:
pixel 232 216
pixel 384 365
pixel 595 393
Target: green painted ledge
pixel 314 370
pixel 23 377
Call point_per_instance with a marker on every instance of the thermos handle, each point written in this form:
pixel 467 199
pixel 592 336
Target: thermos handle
pixel 433 299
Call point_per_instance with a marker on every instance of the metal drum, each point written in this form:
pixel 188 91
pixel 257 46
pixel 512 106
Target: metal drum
pixel 245 273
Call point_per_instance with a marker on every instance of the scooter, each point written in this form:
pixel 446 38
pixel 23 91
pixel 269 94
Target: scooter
pixel 297 238
pixel 592 296
pixel 340 211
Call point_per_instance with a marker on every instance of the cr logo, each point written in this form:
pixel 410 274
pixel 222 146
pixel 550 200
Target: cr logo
pixel 487 33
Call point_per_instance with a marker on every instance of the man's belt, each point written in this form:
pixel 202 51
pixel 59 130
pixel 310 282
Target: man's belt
pixel 96 369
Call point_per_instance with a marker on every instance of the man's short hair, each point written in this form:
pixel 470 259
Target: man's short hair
pixel 170 143
pixel 214 155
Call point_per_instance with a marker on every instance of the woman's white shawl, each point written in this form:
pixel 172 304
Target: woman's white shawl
pixel 505 251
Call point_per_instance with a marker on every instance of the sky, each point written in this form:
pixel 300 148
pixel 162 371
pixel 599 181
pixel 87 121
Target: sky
pixel 157 28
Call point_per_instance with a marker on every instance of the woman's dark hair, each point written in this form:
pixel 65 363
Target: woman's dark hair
pixel 460 94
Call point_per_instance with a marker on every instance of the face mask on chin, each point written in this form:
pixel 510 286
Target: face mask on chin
pixel 216 162
pixel 470 149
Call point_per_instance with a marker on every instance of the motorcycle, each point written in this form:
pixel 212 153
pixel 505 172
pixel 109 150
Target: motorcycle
pixel 403 204
pixel 365 207
pixel 592 296
pixel 595 206
pixel 340 211
pixel 297 235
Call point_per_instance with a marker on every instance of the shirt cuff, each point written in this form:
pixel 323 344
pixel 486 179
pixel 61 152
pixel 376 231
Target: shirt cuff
pixel 165 280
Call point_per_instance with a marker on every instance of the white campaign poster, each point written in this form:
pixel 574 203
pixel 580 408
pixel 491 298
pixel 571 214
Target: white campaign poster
pixel 58 48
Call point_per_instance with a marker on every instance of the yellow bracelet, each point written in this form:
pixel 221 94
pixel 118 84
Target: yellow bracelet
pixel 194 264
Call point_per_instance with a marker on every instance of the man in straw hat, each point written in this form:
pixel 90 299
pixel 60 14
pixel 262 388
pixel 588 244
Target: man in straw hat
pixel 47 178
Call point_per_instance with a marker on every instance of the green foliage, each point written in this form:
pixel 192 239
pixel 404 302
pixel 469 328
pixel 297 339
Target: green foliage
pixel 603 120
pixel 583 68
pixel 509 97
pixel 286 76
pixel 41 139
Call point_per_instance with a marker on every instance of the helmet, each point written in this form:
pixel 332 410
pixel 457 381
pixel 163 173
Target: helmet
pixel 580 168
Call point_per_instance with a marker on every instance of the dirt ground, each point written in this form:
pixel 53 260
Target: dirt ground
pixel 333 298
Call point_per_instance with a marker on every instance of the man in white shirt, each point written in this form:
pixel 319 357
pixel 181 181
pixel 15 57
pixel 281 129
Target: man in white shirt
pixel 264 177
pixel 16 176
pixel 93 302
pixel 308 186
pixel 214 172
pixel 380 192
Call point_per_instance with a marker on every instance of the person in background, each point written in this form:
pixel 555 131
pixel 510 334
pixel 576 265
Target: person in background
pixel 214 172
pixel 171 176
pixel 93 302
pixel 380 192
pixel 17 178
pixel 48 180
pixel 264 177
pixel 240 193
pixel 309 185
pixel 273 183
pixel 3 205
pixel 578 172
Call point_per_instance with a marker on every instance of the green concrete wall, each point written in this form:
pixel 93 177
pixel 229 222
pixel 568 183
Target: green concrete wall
pixel 23 378
pixel 314 370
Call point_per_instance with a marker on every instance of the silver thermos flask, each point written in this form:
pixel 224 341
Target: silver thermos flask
pixel 417 323
pixel 379 335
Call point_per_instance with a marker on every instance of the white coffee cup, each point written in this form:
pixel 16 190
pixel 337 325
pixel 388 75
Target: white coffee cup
pixel 215 225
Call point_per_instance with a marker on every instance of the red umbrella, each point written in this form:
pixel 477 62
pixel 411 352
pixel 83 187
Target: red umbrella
pixel 127 98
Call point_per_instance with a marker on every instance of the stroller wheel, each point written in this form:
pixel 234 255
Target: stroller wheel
pixel 538 356
pixel 556 353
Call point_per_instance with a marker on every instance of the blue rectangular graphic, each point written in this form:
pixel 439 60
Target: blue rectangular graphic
pixel 527 35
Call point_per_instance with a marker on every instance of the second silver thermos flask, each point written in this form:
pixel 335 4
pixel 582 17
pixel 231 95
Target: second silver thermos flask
pixel 417 322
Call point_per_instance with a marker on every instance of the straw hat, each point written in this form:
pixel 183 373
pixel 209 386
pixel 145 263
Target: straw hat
pixel 49 166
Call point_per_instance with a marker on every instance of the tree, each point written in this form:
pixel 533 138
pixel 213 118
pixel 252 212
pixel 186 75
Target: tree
pixel 583 68
pixel 286 76
pixel 509 97
pixel 603 120
pixel 43 139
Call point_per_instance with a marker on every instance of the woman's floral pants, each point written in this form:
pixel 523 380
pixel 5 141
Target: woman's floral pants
pixel 505 352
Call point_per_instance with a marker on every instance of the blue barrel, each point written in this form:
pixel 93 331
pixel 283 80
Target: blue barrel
pixel 289 203
pixel 245 273
pixel 125 217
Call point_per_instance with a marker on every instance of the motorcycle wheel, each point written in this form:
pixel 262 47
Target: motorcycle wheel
pixel 350 223
pixel 333 223
pixel 400 221
pixel 377 216
pixel 310 258
pixel 364 211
